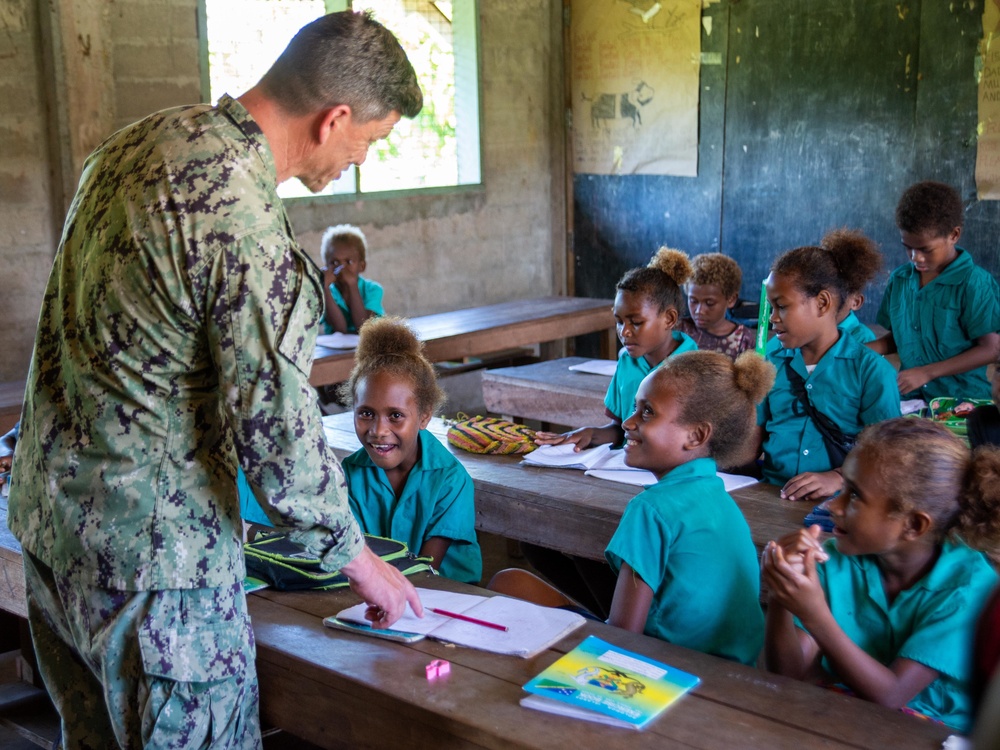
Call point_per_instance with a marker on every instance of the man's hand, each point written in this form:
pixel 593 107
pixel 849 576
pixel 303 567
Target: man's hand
pixel 384 589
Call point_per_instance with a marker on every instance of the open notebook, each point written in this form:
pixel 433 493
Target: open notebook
pixel 530 628
pixel 605 462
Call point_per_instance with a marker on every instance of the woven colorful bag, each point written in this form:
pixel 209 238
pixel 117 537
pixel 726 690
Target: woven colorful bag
pixel 490 435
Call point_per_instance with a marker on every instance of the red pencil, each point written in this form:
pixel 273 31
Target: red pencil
pixel 466 618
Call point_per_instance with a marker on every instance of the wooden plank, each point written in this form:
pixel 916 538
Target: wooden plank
pixel 547 392
pixel 378 690
pixel 564 509
pixel 480 330
pixel 11 399
pixel 12 587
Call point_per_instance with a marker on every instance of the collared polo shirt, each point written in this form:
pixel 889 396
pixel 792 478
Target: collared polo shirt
pixel 850 384
pixel 932 622
pixel 941 321
pixel 856 328
pixel 371 297
pixel 620 399
pixel 437 500
pixel 689 542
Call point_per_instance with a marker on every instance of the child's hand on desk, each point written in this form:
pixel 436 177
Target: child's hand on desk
pixel 912 379
pixel 813 485
pixel 581 438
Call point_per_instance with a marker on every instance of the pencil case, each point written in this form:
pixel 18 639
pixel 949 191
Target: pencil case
pixel 287 566
pixel 952 412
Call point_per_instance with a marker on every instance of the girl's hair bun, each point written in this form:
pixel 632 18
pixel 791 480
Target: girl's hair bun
pixel 754 375
pixel 674 263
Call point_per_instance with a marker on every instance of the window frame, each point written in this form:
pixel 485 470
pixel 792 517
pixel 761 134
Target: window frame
pixel 333 6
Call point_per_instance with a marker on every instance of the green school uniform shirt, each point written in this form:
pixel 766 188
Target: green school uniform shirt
pixel 437 500
pixel 371 297
pixel 689 542
pixel 620 399
pixel 174 343
pixel 856 328
pixel 941 321
pixel 851 384
pixel 932 622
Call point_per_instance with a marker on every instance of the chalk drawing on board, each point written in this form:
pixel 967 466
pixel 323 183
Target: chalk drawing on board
pixel 635 67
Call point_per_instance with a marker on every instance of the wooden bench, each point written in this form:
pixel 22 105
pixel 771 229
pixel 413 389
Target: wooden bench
pixel 481 330
pixel 548 392
pixel 340 690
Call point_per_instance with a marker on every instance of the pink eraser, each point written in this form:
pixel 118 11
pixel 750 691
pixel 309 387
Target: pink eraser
pixel 437 668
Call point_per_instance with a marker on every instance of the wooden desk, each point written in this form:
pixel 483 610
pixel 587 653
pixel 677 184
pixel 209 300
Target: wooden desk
pixel 340 690
pixel 11 570
pixel 563 509
pixel 11 399
pixel 480 330
pixel 548 392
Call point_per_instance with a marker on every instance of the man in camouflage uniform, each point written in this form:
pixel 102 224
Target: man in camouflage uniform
pixel 175 343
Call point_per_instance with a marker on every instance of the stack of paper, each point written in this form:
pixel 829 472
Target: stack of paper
pixel 530 628
pixel 598 681
pixel 605 462
pixel 597 367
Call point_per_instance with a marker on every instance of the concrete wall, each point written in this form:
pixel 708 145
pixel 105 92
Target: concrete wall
pixel 76 70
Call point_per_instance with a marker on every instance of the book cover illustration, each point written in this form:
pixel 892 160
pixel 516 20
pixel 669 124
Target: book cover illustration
pixel 601 682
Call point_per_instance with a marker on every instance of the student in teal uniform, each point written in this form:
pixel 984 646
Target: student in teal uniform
pixel 351 299
pixel 685 563
pixel 888 607
pixel 865 266
pixel 941 310
pixel 712 291
pixel 403 484
pixel 647 306
pixel 818 363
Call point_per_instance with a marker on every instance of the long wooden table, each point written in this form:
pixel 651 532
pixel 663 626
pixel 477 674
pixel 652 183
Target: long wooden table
pixel 491 328
pixel 548 392
pixel 340 690
pixel 562 508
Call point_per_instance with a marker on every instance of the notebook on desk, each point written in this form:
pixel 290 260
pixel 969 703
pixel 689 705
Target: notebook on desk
pixel 530 628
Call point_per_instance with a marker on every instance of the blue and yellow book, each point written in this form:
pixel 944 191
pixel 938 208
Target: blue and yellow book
pixel 598 681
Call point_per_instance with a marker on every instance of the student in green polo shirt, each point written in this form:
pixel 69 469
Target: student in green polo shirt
pixel 942 311
pixel 888 607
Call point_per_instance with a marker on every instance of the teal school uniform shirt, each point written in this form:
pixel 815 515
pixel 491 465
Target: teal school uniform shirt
pixel 437 500
pixel 250 509
pixel 856 328
pixel 371 297
pixel 620 399
pixel 851 384
pixel 941 321
pixel 932 622
pixel 689 542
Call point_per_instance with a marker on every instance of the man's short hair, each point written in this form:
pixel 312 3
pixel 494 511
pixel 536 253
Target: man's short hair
pixel 344 58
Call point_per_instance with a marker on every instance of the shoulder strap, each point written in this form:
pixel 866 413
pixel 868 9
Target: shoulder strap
pixel 826 426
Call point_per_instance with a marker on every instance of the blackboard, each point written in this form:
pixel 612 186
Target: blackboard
pixel 820 115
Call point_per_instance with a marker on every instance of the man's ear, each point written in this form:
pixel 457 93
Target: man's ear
pixel 327 120
pixel 698 436
pixel 918 523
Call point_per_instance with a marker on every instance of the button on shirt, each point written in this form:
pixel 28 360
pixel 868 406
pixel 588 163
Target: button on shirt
pixel 850 384
pixel 941 321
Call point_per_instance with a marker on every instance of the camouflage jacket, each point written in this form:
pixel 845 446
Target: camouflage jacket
pixel 175 340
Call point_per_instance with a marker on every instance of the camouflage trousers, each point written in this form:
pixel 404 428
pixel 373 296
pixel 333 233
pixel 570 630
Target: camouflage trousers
pixel 144 669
